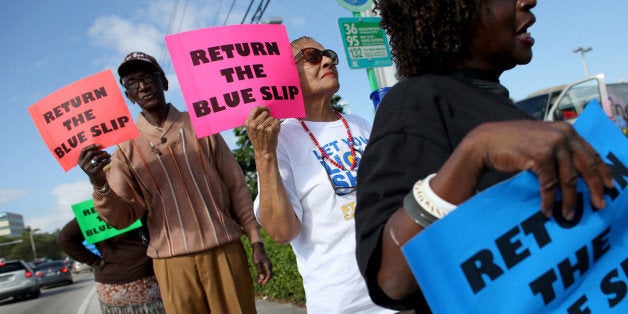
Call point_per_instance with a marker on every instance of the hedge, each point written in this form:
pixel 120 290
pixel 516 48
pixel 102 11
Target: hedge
pixel 286 285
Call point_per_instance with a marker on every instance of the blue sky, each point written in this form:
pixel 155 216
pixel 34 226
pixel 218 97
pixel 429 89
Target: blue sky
pixel 50 44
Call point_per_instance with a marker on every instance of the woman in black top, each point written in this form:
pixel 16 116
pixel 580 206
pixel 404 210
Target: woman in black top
pixel 450 116
pixel 125 281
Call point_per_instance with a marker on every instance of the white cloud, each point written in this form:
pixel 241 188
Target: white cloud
pixel 38 64
pixel 72 193
pixel 298 21
pixel 189 17
pixel 175 17
pixel 145 29
pixel 66 196
pixel 7 195
pixel 124 36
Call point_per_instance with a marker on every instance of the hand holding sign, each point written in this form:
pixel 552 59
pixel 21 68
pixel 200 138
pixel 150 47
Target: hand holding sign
pixel 554 151
pixel 93 161
pixel 263 130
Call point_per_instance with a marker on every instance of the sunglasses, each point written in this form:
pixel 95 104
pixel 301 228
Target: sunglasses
pixel 134 84
pixel 315 56
pixel 341 190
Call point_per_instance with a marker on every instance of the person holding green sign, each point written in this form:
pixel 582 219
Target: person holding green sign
pixel 449 130
pixel 125 280
pixel 194 194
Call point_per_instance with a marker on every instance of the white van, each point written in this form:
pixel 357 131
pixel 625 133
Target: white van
pixel 566 102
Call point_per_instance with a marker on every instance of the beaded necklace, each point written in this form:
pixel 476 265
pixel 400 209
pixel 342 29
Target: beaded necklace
pixel 353 159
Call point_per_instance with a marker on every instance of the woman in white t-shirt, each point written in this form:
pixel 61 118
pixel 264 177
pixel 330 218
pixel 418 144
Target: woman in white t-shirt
pixel 307 170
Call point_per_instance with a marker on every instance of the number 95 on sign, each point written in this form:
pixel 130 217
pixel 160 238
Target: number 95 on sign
pixel 365 42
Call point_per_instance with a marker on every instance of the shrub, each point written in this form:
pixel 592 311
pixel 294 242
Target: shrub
pixel 286 285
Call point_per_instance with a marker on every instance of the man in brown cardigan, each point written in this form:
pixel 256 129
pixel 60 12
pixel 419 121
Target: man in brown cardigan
pixel 194 192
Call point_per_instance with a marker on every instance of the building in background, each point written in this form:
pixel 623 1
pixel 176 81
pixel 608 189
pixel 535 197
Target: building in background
pixel 11 225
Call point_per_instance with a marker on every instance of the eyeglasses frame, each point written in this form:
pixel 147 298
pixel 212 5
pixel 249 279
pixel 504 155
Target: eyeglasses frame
pixel 146 79
pixel 323 53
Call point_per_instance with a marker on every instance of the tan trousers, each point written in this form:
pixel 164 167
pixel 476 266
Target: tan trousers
pixel 213 281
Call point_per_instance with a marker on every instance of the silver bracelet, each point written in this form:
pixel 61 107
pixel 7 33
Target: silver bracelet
pixel 104 190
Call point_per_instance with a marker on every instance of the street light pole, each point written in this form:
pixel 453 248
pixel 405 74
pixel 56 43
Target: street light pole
pixel 30 233
pixel 583 51
pixel 12 242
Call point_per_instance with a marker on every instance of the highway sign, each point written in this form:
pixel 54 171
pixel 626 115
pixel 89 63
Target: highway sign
pixel 366 45
pixel 356 5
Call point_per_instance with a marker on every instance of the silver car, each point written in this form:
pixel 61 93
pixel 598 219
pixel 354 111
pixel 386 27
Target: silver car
pixel 78 267
pixel 53 273
pixel 18 280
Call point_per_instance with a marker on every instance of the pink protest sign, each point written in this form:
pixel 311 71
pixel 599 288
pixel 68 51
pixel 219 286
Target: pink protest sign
pixel 88 111
pixel 226 71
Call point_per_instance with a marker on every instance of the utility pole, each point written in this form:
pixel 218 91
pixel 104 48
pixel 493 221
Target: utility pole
pixel 30 233
pixel 257 15
pixel 583 51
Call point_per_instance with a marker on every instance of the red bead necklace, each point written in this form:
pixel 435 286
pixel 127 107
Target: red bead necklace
pixel 353 159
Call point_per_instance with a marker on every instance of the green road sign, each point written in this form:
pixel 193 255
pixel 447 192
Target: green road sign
pixel 366 45
pixel 356 5
pixel 94 229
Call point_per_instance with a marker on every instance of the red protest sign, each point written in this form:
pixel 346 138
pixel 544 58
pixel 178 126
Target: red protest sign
pixel 88 111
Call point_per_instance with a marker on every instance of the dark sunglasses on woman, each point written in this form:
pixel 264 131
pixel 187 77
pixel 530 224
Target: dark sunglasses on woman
pixel 315 56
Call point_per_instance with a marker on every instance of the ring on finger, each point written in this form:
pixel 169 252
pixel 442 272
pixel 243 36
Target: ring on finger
pixel 93 162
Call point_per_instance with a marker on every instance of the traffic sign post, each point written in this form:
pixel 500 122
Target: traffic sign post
pixel 365 42
pixel 356 5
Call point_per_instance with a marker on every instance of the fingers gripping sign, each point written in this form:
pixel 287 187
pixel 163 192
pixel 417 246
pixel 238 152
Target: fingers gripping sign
pixel 595 172
pixel 93 160
pixel 262 129
pixel 554 151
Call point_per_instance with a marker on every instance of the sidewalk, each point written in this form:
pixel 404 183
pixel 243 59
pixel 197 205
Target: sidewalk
pixel 90 306
pixel 268 307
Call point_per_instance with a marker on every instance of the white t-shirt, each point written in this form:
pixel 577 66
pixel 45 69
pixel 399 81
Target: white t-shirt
pixel 325 248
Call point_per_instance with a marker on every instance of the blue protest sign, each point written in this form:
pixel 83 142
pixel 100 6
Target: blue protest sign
pixel 497 253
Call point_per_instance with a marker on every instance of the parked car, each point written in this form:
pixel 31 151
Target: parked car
pixel 566 102
pixel 18 280
pixel 53 273
pixel 79 267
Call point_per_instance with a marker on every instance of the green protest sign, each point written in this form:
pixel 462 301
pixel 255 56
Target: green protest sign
pixel 95 229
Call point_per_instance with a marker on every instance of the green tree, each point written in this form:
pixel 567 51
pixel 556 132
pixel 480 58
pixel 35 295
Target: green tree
pixel 246 158
pixel 335 103
pixel 45 245
pixel 6 245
